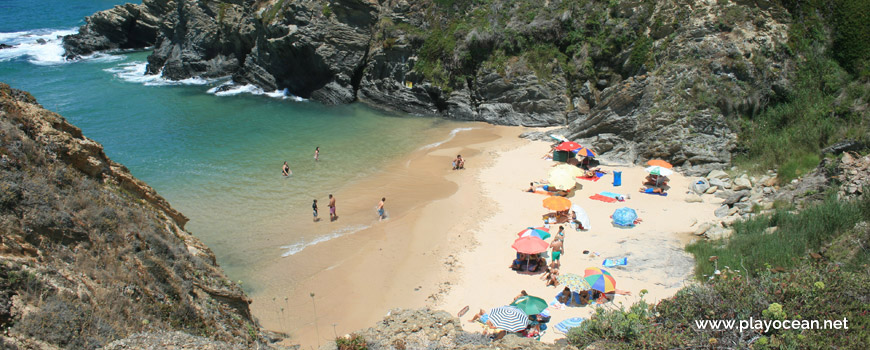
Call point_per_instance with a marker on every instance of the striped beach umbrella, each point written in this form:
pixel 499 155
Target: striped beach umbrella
pixel 659 170
pixel 566 325
pixel 585 152
pixel 600 280
pixel 508 318
pixel 574 282
pixel 540 232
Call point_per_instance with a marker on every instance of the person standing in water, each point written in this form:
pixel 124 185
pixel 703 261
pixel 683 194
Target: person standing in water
pixel 381 215
pixel 317 153
pixel 332 215
pixel 314 208
pixel 286 169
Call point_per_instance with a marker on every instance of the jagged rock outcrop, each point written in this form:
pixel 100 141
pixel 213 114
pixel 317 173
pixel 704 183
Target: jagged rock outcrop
pixel 429 329
pixel 635 80
pixel 90 254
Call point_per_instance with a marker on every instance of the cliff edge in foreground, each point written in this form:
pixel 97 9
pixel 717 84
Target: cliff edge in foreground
pixel 89 254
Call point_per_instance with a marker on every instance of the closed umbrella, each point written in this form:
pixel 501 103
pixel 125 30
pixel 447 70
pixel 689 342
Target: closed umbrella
pixel 540 232
pixel 530 245
pixel 600 280
pixel 624 216
pixel 530 305
pixel 508 318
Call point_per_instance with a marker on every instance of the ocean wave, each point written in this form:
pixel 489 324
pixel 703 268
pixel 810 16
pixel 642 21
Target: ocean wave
pixel 294 248
pixel 449 137
pixel 27 45
pixel 232 89
pixel 134 72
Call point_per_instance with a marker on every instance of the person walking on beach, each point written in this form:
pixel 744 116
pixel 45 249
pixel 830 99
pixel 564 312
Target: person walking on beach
pixel 285 169
pixel 332 215
pixel 317 153
pixel 314 208
pixel 381 215
pixel 556 253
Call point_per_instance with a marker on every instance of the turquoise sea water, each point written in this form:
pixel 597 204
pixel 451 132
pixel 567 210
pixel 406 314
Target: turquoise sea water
pixel 215 158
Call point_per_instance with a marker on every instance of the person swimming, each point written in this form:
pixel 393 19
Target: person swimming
pixel 285 169
pixel 317 153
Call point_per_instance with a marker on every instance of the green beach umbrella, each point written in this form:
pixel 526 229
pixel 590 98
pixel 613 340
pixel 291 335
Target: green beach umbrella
pixel 530 305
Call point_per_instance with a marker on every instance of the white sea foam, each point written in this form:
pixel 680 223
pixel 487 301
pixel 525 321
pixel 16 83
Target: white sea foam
pixel 134 72
pixel 449 137
pixel 25 45
pixel 232 89
pixel 294 248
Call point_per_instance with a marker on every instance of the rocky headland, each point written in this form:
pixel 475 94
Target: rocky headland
pixel 90 255
pixel 634 79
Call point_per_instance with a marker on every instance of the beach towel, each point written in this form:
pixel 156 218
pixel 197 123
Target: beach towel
pixel 615 262
pixel 599 197
pixel 566 325
pixel 593 179
pixel 616 196
pixel 651 191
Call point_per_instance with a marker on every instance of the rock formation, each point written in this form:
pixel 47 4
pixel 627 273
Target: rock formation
pixel 89 254
pixel 635 80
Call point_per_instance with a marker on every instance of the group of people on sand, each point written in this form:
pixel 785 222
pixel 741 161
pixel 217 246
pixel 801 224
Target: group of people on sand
pixel 537 322
pixel 285 170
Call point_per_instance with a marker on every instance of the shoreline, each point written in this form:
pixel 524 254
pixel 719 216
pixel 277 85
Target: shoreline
pixel 446 243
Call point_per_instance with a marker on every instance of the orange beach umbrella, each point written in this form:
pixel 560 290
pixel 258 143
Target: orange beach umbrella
pixel 557 203
pixel 659 162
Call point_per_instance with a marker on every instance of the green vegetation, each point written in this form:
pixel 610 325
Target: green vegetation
pixel 755 246
pixel 353 342
pixel 822 105
pixel 832 286
pixel 269 15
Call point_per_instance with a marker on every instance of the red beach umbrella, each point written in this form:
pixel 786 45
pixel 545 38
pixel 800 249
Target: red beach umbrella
pixel 530 245
pixel 568 146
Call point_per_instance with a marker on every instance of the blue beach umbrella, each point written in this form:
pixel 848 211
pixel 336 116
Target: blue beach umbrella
pixel 624 216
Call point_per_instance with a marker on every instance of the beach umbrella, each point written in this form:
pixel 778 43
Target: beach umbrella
pixel 562 181
pixel 530 305
pixel 585 152
pixel 600 280
pixel 659 162
pixel 540 232
pixel 530 245
pixel 568 146
pixel 658 170
pixel 566 325
pixel 557 203
pixel 508 318
pixel 624 216
pixel 566 169
pixel 582 217
pixel 574 282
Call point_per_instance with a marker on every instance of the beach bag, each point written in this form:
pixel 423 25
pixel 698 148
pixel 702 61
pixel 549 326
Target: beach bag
pixel 617 178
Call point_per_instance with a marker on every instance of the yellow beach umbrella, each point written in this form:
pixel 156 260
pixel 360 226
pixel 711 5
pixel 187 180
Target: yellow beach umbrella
pixel 571 170
pixel 562 181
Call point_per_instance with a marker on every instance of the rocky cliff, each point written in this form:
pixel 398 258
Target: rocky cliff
pixel 634 79
pixel 89 254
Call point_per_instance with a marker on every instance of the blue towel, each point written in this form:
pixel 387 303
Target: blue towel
pixel 612 195
pixel 566 325
pixel 652 191
pixel 615 262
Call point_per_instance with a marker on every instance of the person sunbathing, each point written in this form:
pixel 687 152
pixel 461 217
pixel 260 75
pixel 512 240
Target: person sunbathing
pixel 531 188
pixel 657 190
pixel 522 294
pixel 565 296
pixel 481 316
pixel 551 277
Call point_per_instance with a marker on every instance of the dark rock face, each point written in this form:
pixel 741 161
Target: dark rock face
pixel 90 254
pixel 672 96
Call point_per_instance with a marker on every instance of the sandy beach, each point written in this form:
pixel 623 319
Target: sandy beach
pixel 447 241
